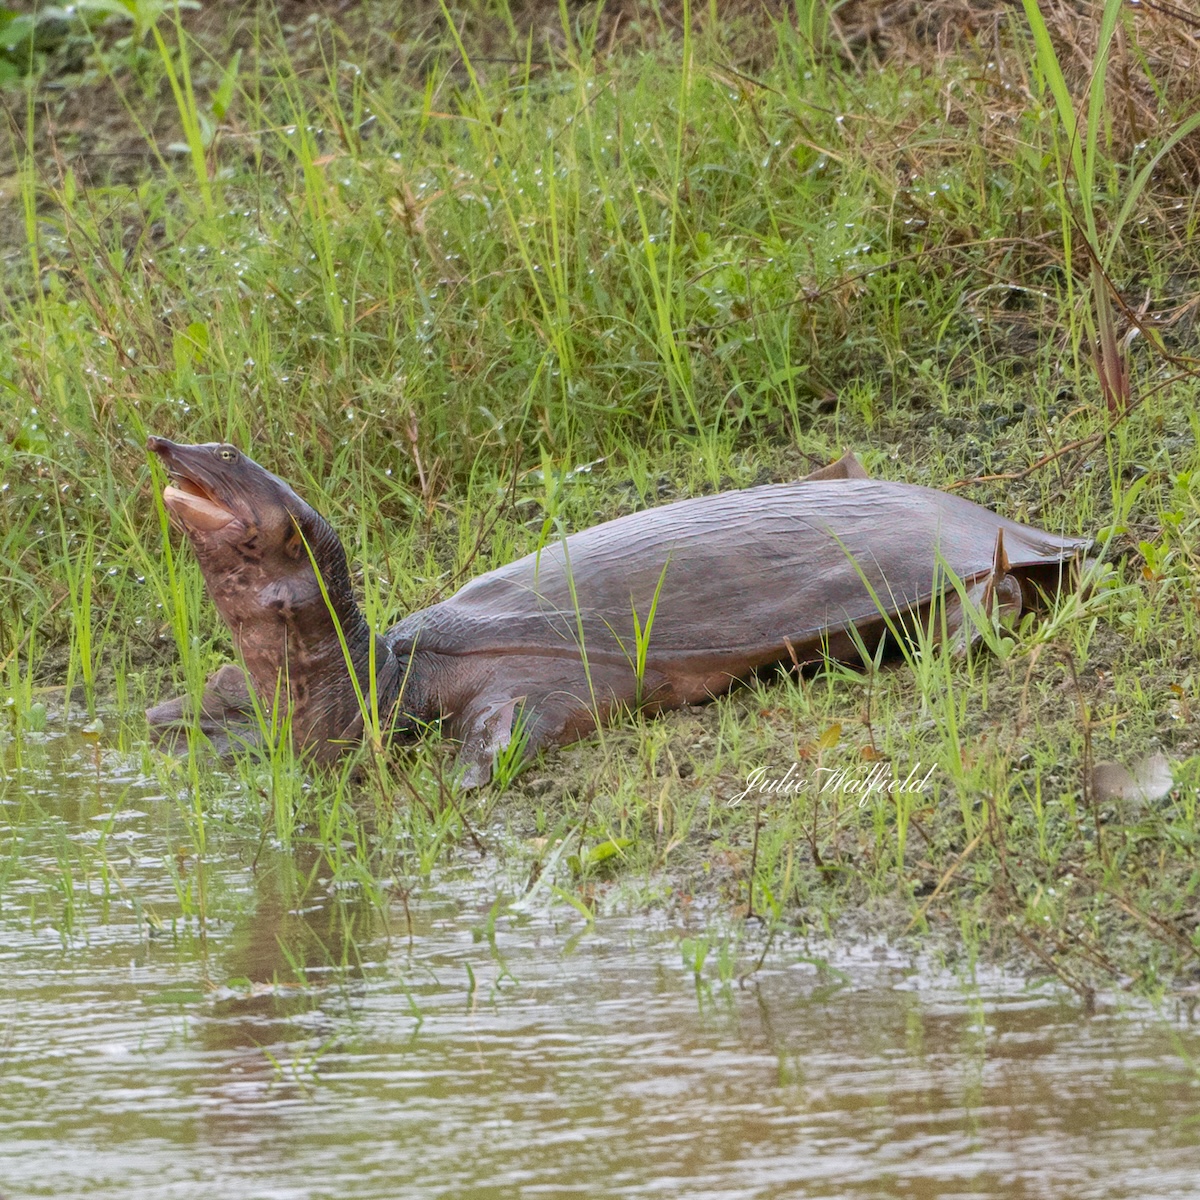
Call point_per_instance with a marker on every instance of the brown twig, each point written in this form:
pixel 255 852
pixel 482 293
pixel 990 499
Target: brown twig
pixel 485 531
pixel 1084 991
pixel 754 855
pixel 1088 794
pixel 1085 443
pixel 447 795
pixel 947 875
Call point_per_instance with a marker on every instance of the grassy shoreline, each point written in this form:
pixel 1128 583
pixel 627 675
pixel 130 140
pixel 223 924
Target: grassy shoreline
pixel 458 297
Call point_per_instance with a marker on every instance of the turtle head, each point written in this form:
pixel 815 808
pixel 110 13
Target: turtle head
pixel 277 572
pixel 257 542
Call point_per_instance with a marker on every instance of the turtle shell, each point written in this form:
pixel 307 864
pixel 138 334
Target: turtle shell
pixel 742 578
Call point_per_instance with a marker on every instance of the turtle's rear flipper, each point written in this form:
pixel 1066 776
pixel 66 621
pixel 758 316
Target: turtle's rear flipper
pixel 225 714
pixel 846 467
pixel 996 594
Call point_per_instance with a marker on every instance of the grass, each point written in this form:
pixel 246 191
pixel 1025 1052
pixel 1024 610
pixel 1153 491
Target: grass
pixel 465 300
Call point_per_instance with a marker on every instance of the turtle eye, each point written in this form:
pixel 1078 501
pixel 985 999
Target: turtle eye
pixel 227 454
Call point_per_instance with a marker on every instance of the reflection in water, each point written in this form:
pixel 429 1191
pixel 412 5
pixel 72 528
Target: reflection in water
pixel 298 1052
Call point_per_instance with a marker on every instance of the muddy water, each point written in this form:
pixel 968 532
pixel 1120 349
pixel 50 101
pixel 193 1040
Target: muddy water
pixel 302 1050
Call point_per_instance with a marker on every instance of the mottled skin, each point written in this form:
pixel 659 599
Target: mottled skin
pixel 743 580
pixel 256 542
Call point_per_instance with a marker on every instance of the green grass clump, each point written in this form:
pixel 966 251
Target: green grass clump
pixel 459 297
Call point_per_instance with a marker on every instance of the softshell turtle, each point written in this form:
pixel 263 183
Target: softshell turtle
pixel 655 610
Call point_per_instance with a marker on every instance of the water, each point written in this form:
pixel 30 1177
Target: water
pixel 299 1053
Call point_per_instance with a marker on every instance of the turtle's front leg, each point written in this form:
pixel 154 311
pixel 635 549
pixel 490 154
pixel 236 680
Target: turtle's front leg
pixel 225 714
pixel 541 701
pixel 484 729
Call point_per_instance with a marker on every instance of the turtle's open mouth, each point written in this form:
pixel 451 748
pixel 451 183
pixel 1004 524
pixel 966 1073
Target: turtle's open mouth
pixel 191 501
pixel 195 505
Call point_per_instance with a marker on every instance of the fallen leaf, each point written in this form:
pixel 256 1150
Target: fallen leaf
pixel 830 737
pixel 1149 780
